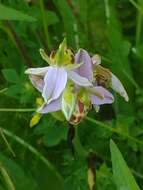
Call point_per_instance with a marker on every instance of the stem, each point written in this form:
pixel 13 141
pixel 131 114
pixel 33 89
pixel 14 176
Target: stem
pixel 32 150
pixel 107 11
pixel 19 44
pixel 138 27
pixel 45 24
pixel 136 6
pixel 7 143
pixel 6 177
pixel 78 146
pixel 3 90
pixel 114 130
pixel 17 109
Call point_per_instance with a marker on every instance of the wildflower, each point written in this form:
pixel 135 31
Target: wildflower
pixel 98 94
pixel 101 77
pixel 106 78
pixel 51 80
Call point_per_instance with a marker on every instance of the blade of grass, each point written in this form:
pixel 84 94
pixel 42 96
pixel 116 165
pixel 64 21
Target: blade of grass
pixel 45 24
pixel 32 150
pixel 17 110
pixel 6 177
pixel 136 6
pixel 7 143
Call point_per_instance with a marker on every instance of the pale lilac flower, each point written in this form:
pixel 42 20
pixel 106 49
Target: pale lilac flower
pixel 94 64
pixel 98 94
pixel 51 80
pixel 114 82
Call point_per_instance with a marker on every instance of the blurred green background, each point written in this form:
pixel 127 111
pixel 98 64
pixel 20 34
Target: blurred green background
pixel 111 28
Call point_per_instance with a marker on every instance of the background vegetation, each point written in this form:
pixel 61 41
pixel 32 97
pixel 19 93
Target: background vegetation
pixel 40 157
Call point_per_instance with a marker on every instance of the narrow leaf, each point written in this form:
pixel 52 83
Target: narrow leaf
pixel 7 13
pixel 123 177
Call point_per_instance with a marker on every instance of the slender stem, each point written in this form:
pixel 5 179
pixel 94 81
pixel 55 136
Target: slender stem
pixel 78 146
pixel 136 6
pixel 32 150
pixel 138 26
pixel 107 11
pixel 3 90
pixel 114 130
pixel 45 24
pixel 7 143
pixel 19 44
pixel 17 109
pixel 6 177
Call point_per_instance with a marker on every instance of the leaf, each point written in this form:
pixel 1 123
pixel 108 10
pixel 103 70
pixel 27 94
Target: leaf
pixel 35 119
pixel 18 177
pixel 54 135
pixel 7 13
pixel 53 131
pixel 123 177
pixel 11 75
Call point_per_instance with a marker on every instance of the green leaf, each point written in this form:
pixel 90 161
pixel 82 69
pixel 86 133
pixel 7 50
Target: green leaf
pixel 11 75
pixel 54 135
pixel 123 177
pixel 17 177
pixel 7 13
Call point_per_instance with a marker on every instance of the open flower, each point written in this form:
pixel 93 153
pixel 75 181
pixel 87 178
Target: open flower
pixel 98 94
pixel 100 76
pixel 51 80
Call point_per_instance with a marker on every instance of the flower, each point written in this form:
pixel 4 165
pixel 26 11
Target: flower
pixel 51 80
pixel 100 76
pixel 97 93
pixel 71 84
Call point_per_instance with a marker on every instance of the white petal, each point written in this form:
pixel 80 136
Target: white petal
pixel 81 81
pixel 118 87
pixel 37 81
pixel 55 105
pixel 41 71
pixel 55 81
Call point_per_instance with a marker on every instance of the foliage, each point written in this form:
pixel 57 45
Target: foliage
pixel 43 154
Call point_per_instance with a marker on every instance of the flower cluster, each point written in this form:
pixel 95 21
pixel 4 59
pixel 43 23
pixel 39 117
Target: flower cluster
pixel 72 84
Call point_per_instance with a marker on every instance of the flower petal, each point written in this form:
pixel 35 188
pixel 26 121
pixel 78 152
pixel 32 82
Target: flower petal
pixel 96 59
pixel 55 81
pixel 107 97
pixel 55 105
pixel 41 71
pixel 81 81
pixel 37 82
pixel 85 70
pixel 118 87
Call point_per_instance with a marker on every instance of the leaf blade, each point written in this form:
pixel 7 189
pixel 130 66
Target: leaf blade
pixel 122 175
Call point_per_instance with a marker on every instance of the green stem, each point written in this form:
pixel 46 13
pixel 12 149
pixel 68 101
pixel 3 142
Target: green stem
pixel 7 143
pixel 31 149
pixel 114 130
pixel 45 24
pixel 17 110
pixel 6 177
pixel 136 6
pixel 3 90
pixel 78 146
pixel 138 27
